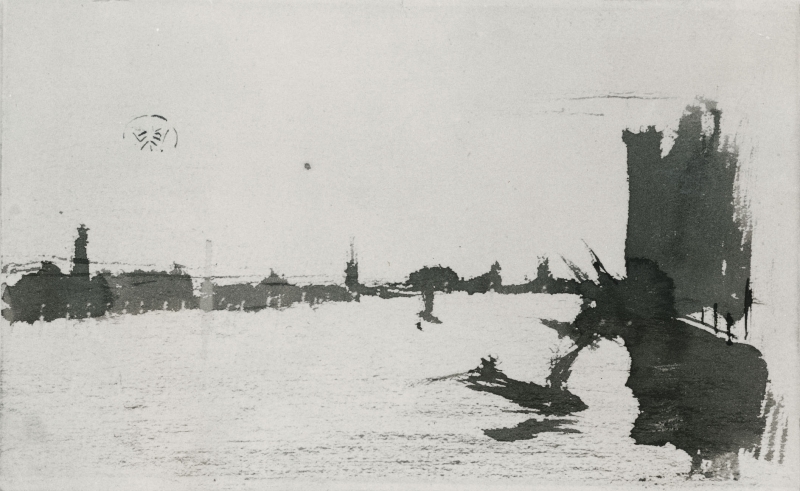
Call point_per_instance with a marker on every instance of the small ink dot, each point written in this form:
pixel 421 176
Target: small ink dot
pixel 307 166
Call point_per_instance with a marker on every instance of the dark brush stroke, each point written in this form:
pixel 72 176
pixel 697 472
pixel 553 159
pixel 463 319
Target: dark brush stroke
pixel 561 367
pixel 775 410
pixel 580 275
pixel 428 280
pixel 438 278
pixel 683 215
pixel 784 437
pixel 527 430
pixel 564 113
pixel 317 294
pixel 545 400
pixel 49 294
pixel 490 281
pixel 695 391
pixel 769 405
pixel 748 305
pixel 563 329
pixel 544 282
pixel 442 378
pixel 145 291
pixel 357 289
pixel 275 292
pixel 618 96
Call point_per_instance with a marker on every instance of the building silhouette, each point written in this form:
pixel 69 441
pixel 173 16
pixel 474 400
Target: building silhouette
pixel 50 294
pixel 140 291
pixel 80 261
pixel 683 216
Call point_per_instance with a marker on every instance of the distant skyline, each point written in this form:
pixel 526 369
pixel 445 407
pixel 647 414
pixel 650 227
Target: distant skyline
pixel 434 135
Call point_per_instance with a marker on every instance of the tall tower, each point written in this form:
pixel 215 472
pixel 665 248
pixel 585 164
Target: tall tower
pixel 351 270
pixel 80 261
pixel 683 213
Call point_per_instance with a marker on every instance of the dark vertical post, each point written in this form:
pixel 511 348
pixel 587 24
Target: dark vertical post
pixel 715 318
pixel 729 324
pixel 748 305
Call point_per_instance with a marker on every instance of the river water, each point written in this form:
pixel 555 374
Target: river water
pixel 226 400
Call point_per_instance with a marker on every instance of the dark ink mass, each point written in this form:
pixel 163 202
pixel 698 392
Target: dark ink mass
pixel 428 280
pixel 49 294
pixel 529 429
pixel 683 213
pixel 275 292
pixel 144 291
pixel 554 401
pixel 687 251
pixel 695 391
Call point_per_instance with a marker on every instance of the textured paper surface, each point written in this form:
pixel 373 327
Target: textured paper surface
pixel 451 133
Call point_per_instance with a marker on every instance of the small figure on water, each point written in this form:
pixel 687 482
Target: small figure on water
pixel 729 322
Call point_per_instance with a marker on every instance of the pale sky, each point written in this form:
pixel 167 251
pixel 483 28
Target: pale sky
pixel 455 135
